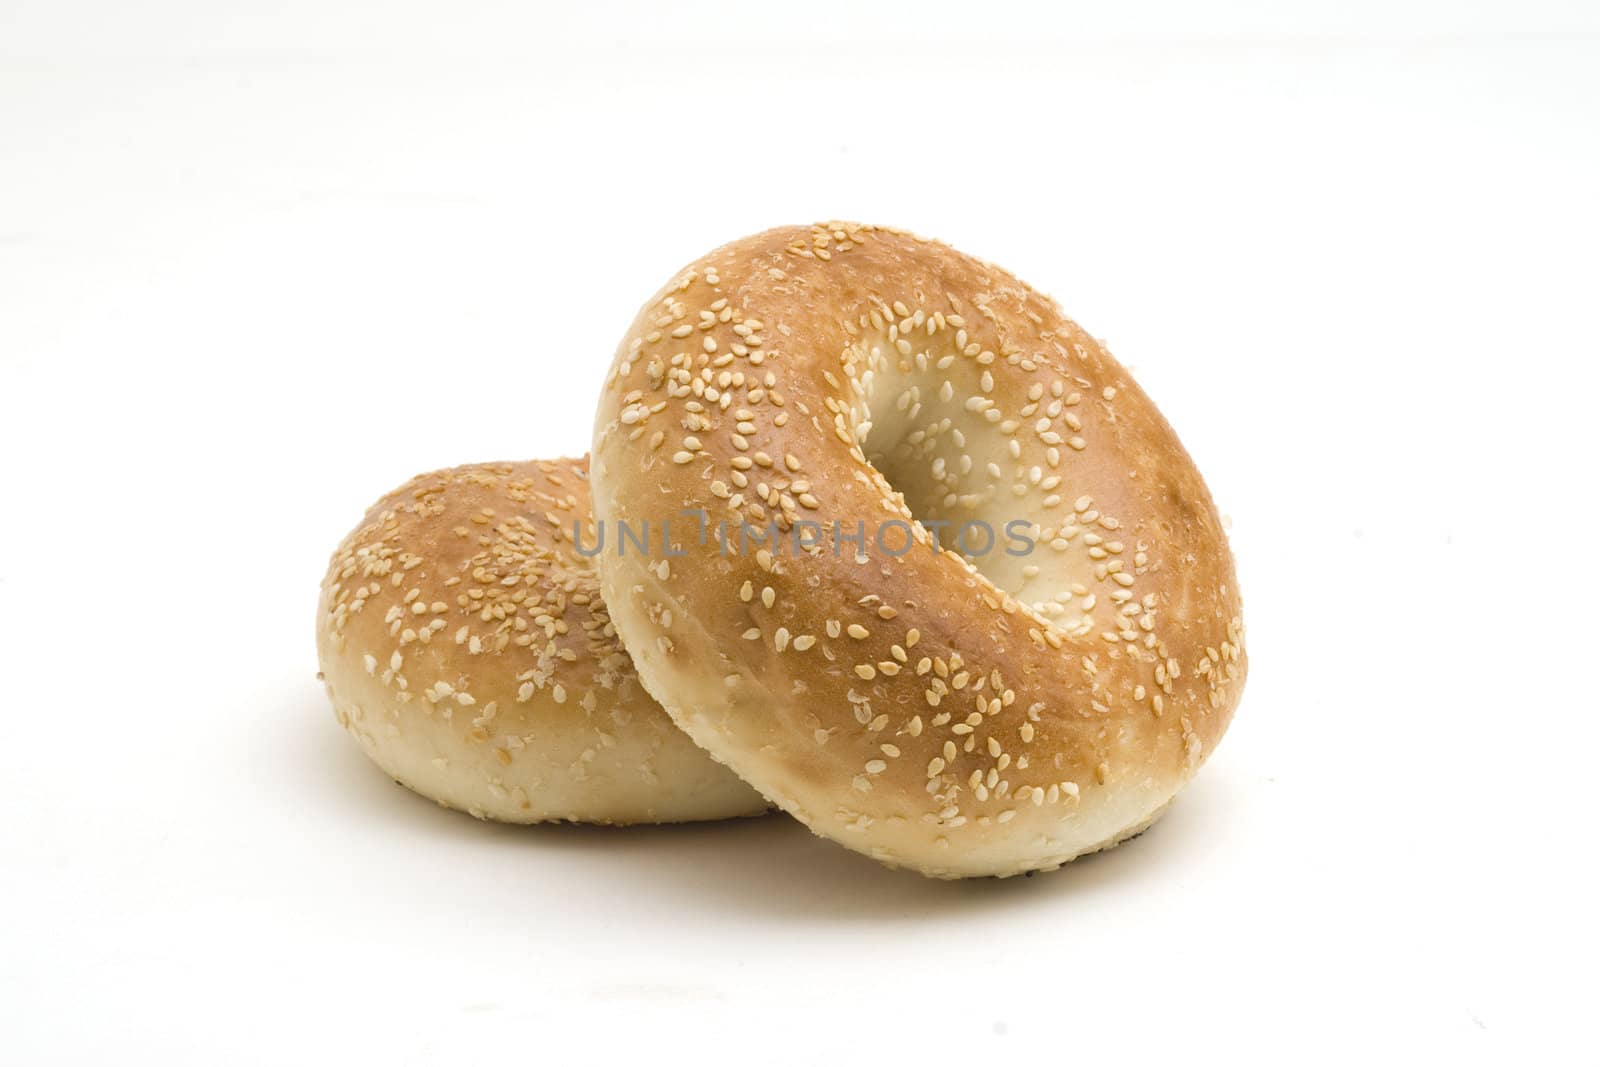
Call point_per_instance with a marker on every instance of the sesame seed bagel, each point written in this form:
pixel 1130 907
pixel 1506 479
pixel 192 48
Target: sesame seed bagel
pixel 464 644
pixel 959 711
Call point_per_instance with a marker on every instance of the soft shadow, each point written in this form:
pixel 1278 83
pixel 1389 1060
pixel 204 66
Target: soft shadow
pixel 769 864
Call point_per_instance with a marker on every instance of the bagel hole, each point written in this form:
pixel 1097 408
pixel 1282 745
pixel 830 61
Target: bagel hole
pixel 953 468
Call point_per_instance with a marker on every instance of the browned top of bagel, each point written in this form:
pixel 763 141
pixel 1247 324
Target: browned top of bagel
pixel 963 717
pixel 458 566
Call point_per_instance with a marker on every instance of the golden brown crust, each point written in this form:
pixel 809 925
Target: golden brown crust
pixel 465 644
pixel 982 717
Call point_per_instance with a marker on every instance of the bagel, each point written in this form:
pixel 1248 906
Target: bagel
pixel 956 711
pixel 464 644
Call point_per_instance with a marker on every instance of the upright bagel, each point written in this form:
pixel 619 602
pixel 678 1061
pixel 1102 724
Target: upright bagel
pixel 963 716
pixel 464 644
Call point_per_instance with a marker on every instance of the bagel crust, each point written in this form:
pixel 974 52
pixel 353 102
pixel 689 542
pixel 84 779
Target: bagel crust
pixel 955 712
pixel 464 644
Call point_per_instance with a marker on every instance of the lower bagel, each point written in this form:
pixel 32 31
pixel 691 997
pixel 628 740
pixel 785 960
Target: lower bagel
pixel 843 392
pixel 464 644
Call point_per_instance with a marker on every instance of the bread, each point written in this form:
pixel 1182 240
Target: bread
pixel 958 712
pixel 465 645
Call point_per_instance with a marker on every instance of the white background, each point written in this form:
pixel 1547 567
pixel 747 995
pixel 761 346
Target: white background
pixel 259 264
